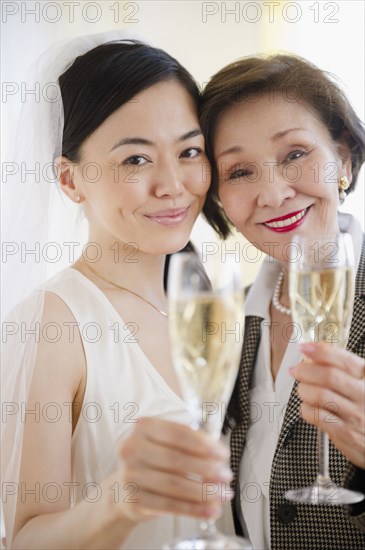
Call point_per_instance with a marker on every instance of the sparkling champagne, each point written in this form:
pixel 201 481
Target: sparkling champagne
pixel 207 333
pixel 322 303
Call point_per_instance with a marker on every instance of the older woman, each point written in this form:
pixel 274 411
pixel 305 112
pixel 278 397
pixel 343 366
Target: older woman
pixel 285 145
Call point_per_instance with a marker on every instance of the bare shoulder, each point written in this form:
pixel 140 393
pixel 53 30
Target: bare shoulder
pixel 60 351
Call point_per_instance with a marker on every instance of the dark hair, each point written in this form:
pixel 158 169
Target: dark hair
pixel 106 77
pixel 298 80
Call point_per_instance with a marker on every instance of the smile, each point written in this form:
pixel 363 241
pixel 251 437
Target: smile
pixel 287 222
pixel 172 217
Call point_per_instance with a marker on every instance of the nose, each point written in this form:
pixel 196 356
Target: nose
pixel 274 189
pixel 168 179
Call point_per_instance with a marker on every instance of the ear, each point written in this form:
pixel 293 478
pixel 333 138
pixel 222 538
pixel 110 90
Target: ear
pixel 344 152
pixel 65 171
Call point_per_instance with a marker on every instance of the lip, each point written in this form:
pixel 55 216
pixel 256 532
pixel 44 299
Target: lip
pixel 281 224
pixel 171 217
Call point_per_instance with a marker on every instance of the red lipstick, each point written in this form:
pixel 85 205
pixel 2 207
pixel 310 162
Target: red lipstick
pixel 288 222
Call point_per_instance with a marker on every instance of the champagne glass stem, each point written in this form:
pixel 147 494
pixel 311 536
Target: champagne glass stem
pixel 206 423
pixel 208 528
pixel 322 437
pixel 323 473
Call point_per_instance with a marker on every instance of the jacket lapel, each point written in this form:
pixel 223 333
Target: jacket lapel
pixel 248 358
pixel 357 325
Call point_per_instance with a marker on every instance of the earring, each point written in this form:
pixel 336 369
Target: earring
pixel 78 198
pixel 343 185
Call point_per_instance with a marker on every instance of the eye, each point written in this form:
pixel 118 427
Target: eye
pixel 295 155
pixel 134 160
pixel 191 152
pixel 237 174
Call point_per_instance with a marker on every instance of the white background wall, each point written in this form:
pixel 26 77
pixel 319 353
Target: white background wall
pixel 204 36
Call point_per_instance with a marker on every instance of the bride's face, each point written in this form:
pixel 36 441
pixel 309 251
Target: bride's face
pixel 143 172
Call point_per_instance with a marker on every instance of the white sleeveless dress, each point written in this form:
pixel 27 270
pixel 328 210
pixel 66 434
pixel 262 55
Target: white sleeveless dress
pixel 122 385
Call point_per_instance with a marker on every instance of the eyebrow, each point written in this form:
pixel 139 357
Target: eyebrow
pixel 283 133
pixel 234 149
pixel 278 135
pixel 143 141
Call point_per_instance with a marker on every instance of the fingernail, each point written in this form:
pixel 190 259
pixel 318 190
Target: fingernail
pixel 224 474
pixel 220 452
pixel 292 371
pixel 307 348
pixel 213 512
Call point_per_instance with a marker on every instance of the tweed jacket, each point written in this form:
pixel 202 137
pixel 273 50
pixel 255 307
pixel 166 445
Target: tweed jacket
pixel 302 526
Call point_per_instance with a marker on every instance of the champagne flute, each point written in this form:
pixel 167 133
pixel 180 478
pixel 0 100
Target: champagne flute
pixel 321 289
pixel 206 331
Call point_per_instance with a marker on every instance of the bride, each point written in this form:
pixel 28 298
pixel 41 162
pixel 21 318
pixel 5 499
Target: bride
pixel 87 353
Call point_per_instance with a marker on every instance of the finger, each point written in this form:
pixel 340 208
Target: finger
pixel 158 457
pixel 342 358
pixel 176 487
pixel 330 423
pixel 336 406
pixel 181 437
pixel 332 378
pixel 158 504
pixel 350 442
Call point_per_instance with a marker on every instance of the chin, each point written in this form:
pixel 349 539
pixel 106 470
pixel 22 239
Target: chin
pixel 171 247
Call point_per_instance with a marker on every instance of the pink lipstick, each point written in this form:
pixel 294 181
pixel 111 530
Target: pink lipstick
pixel 171 217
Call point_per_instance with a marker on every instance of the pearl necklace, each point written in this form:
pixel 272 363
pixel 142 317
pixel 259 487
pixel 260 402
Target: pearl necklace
pixel 126 290
pixel 275 298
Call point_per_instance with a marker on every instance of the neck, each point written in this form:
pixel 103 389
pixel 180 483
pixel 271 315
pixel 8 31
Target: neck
pixel 125 265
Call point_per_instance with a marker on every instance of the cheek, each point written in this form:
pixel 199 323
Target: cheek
pixel 235 202
pixel 198 180
pixel 200 187
pixel 322 173
pixel 323 188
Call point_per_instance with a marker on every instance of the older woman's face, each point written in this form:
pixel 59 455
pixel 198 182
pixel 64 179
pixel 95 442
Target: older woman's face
pixel 278 172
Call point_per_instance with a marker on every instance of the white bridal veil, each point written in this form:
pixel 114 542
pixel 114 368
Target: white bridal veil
pixel 41 234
